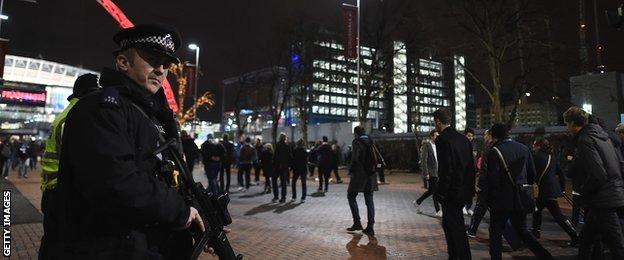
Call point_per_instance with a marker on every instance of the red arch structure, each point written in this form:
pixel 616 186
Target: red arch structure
pixel 124 22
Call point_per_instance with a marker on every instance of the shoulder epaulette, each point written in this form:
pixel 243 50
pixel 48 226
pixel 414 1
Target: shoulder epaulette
pixel 110 97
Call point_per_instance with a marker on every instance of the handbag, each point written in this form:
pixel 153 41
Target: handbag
pixel 539 181
pixel 523 193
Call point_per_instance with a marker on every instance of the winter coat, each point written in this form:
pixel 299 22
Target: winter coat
pixel 247 154
pixel 191 151
pixel 362 179
pixel 300 157
pixel 456 169
pixel 212 152
pixel 266 162
pixel 519 161
pixel 552 182
pixel 229 155
pixel 283 155
pixel 429 163
pixel 598 169
pixel 325 156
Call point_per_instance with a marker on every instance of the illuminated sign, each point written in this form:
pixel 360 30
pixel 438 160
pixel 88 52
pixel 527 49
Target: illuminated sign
pixel 22 97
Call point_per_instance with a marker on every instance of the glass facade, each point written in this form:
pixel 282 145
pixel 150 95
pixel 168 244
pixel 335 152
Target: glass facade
pixel 430 94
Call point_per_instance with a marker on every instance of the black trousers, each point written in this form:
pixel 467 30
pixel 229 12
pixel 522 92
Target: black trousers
pixel 433 185
pixel 257 171
pixel 518 222
pixel 324 174
pixel 226 170
pixel 455 231
pixel 335 169
pixel 304 188
pixel 282 174
pixel 601 225
pixel 311 168
pixel 479 212
pixel 244 174
pixel 49 244
pixel 553 207
pixel 370 207
pixel 382 175
pixel 190 162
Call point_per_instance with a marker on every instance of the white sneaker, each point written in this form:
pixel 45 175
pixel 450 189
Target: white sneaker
pixel 464 210
pixel 439 214
pixel 316 179
pixel 302 201
pixel 331 180
pixel 470 212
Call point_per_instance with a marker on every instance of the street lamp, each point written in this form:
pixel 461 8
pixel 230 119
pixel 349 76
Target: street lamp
pixel 194 47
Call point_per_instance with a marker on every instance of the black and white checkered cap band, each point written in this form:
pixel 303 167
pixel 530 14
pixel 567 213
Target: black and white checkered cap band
pixel 165 41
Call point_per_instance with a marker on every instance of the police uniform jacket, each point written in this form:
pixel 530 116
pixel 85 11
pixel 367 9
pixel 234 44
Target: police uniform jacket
pixel 114 202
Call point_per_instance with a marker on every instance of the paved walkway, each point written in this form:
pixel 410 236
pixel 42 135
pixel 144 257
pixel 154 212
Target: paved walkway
pixel 316 229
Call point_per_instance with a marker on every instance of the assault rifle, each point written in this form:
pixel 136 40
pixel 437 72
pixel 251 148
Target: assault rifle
pixel 211 207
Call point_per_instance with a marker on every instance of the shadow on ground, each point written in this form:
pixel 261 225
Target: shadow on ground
pixel 371 250
pixel 288 206
pixel 246 196
pixel 262 208
pixel 318 194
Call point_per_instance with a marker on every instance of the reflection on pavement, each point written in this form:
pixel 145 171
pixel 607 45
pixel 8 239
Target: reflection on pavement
pixel 369 251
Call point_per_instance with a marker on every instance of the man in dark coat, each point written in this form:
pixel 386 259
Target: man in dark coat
pixel 516 157
pixel 114 201
pixel 282 161
pixel 300 161
pixel 257 166
pixel 325 162
pixel 363 179
pixel 456 183
pixel 212 155
pixel 598 175
pixel 226 164
pixel 190 149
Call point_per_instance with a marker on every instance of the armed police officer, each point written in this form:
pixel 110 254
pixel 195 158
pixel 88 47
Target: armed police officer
pixel 116 202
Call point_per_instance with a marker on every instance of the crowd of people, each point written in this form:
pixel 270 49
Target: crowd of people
pixel 512 180
pixel 19 154
pixel 281 166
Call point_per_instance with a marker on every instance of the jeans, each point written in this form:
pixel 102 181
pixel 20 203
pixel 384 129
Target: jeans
pixel 225 171
pixel 601 225
pixel 370 207
pixel 518 222
pixel 433 185
pixel 479 213
pixel 576 209
pixel 244 169
pixel 212 170
pixel 335 169
pixel 282 174
pixel 324 174
pixel 257 171
pixel 304 189
pixel 455 231
pixel 22 168
pixel 5 168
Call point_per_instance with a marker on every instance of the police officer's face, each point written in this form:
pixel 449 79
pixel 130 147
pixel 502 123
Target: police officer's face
pixel 146 68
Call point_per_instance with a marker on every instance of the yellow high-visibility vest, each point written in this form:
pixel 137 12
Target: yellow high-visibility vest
pixel 50 161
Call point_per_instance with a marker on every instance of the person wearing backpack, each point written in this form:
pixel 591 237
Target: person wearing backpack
pixel 363 179
pixel 550 182
pixel 325 162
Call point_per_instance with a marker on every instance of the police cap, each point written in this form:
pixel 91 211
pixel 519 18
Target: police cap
pixel 159 38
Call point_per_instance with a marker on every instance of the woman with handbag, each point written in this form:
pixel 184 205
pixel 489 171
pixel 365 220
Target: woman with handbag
pixel 550 183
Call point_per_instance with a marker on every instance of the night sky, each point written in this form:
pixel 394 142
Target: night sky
pixel 233 34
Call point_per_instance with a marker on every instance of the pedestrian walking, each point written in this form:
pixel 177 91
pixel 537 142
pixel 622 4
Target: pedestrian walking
pixel 5 155
pixel 470 134
pixel 429 168
pixel 282 161
pixel 266 162
pixel 510 176
pixel 312 158
pixel 337 160
pixel 225 173
pixel 245 162
pixel 456 183
pixel 598 176
pixel 363 179
pixel 381 167
pixel 24 158
pixel 325 161
pixel 481 206
pixel 190 149
pixel 550 186
pixel 256 164
pixel 300 160
pixel 213 153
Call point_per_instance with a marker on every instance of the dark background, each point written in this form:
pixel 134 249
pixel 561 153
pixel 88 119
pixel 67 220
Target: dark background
pixel 233 34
